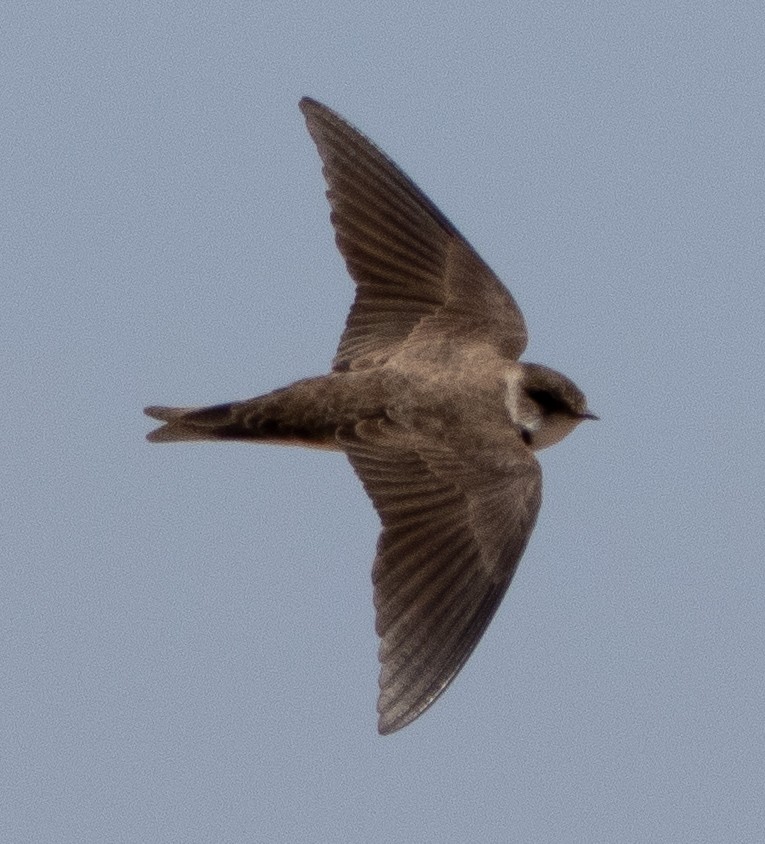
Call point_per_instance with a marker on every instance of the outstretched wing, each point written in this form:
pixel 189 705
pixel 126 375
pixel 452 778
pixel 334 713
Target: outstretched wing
pixel 415 273
pixel 455 522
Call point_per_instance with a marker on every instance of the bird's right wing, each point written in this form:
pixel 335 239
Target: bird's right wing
pixel 414 271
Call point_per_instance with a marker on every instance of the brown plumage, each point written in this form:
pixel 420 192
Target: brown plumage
pixel 428 401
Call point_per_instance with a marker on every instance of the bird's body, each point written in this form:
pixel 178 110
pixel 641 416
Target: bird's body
pixel 466 398
pixel 429 402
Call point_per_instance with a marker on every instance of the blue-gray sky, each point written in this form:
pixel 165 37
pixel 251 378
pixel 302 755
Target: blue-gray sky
pixel 188 649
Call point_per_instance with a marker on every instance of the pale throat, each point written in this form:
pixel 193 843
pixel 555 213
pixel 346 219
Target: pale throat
pixel 514 400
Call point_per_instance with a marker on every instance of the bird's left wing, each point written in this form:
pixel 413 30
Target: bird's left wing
pixel 455 522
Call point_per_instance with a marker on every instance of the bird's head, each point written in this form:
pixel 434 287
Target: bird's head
pixel 544 404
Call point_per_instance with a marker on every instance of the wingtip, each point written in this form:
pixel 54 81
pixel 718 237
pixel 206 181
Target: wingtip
pixel 313 110
pixel 384 728
pixel 308 104
pixel 389 723
pixel 394 716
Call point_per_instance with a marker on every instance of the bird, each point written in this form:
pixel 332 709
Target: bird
pixel 428 400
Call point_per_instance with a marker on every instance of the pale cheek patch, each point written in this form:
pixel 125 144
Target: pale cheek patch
pixel 513 379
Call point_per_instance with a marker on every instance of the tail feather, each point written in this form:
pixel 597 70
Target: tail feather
pixel 231 421
pixel 167 414
pixel 302 414
pixel 179 425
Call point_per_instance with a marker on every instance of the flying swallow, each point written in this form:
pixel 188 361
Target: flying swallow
pixel 429 402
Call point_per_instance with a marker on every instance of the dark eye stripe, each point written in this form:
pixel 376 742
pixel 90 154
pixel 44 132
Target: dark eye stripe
pixel 549 402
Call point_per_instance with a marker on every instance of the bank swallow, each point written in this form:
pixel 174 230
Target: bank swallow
pixel 427 399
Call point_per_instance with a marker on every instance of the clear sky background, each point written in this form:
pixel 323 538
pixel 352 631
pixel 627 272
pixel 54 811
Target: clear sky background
pixel 186 632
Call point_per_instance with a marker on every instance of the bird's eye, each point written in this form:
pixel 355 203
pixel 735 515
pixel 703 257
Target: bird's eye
pixel 548 402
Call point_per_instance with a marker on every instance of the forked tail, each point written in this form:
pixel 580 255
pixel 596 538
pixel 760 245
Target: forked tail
pixel 294 415
pixel 192 423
